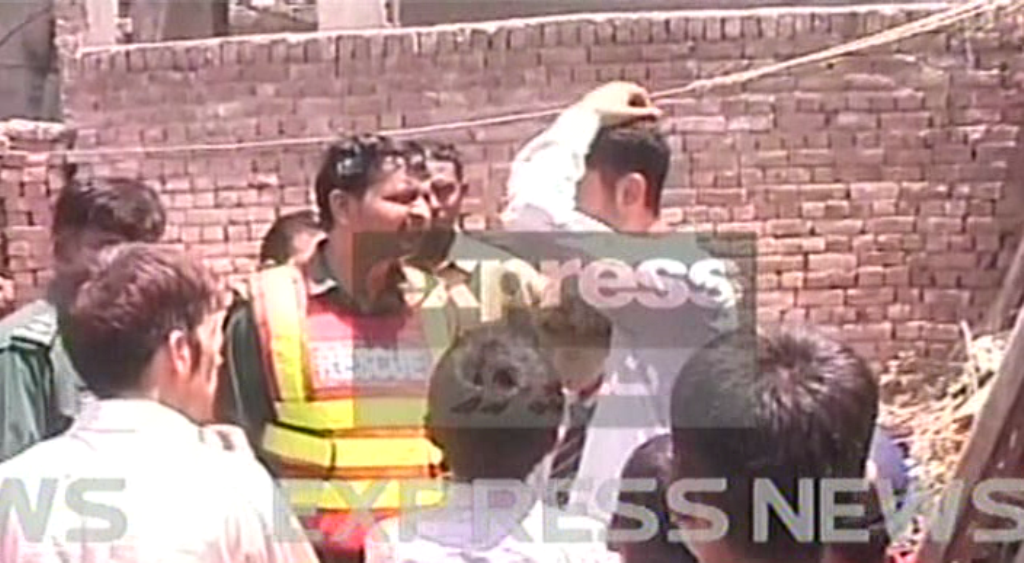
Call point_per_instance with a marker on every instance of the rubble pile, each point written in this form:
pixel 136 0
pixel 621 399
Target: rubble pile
pixel 933 422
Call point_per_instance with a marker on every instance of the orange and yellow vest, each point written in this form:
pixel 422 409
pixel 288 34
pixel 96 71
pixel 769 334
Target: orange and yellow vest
pixel 349 395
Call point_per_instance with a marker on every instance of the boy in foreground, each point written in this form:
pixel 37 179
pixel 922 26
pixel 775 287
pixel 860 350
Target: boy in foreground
pixel 494 408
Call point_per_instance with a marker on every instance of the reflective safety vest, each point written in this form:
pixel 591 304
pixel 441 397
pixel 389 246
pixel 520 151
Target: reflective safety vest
pixel 349 396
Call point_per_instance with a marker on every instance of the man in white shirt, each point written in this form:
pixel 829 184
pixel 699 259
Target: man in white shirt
pixel 136 478
pixel 494 407
pixel 600 169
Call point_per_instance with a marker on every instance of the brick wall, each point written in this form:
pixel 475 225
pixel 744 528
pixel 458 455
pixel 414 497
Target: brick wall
pixel 30 178
pixel 882 185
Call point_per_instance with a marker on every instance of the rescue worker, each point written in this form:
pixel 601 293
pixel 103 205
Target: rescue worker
pixel 40 390
pixel 328 362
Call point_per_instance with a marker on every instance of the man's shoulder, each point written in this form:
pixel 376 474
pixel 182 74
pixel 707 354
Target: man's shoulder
pixel 34 325
pixel 44 460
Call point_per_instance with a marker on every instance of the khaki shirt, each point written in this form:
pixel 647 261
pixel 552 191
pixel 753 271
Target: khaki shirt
pixel 40 391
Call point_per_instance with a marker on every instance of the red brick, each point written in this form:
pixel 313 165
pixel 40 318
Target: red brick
pixel 940 332
pixel 986 242
pixel 697 124
pixel 880 258
pixel 796 315
pixel 871 276
pixel 938 225
pixel 874 191
pixel 867 332
pixel 980 278
pixel 780 263
pixel 871 313
pixel 777 194
pixel 212 234
pixel 791 280
pixel 820 262
pixel 817 298
pixel 812 210
pixel 830 279
pixel 823 315
pixel 898 312
pixel 883 208
pixel 953 297
pixel 909 330
pixel 745 227
pixel 889 242
pixel 913 242
pixel 890 225
pixel 870 296
pixel 946 279
pixel 846 227
pixel 770 299
pixel 855 120
pixel 982 225
pixel 837 209
pixel 767 281
pixel 823 192
pixel 788 227
pixel 812 157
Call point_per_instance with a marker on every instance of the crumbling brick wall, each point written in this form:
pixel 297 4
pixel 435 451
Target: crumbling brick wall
pixel 881 184
pixel 32 172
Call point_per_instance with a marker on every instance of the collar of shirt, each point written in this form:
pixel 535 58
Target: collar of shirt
pixel 322 282
pixel 122 416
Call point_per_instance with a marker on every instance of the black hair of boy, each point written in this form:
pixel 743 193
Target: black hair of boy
pixel 780 407
pixel 495 403
pixel 651 461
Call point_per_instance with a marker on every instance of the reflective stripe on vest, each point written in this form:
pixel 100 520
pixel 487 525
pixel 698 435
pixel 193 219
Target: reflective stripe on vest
pixel 363 494
pixel 350 453
pixel 279 305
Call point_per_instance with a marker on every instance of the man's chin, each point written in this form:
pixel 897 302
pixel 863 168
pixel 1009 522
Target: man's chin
pixel 434 246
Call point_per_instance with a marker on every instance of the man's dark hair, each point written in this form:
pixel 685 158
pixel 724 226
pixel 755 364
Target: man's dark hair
pixel 652 460
pixel 352 165
pixel 91 214
pixel 633 147
pixel 780 408
pixel 278 244
pixel 126 301
pixel 444 152
pixel 495 403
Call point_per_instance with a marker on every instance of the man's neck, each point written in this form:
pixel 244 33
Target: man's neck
pixel 367 286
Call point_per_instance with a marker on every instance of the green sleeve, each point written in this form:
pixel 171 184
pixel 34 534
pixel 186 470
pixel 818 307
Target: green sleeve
pixel 24 400
pixel 243 397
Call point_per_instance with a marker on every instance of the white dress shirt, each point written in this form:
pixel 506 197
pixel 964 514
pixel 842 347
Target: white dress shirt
pixel 649 346
pixel 135 475
pixel 484 524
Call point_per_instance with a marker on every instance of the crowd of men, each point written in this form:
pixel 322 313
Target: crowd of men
pixel 326 411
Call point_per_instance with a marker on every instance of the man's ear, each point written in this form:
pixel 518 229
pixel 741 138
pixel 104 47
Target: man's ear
pixel 631 190
pixel 341 205
pixel 180 352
